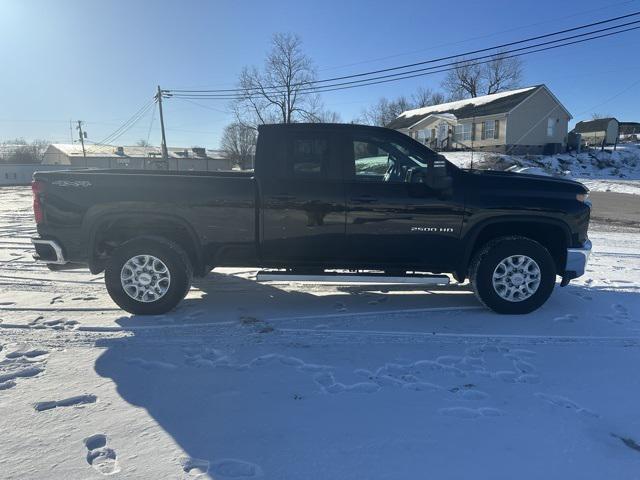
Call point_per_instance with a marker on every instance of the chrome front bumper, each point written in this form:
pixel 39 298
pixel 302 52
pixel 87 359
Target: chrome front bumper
pixel 577 259
pixel 48 251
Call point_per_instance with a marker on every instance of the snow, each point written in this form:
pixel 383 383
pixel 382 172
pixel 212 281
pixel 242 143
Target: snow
pixel 607 171
pixel 273 381
pixel 477 101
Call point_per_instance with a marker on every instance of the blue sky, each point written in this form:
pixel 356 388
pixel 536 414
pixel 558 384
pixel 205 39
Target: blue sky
pixel 100 61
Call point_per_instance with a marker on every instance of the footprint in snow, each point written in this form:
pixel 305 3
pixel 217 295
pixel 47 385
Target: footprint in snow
pixel 78 400
pixel 85 298
pixel 468 413
pixel 564 402
pixel 232 468
pixel 54 324
pixel 102 458
pixel 568 318
pixel 194 467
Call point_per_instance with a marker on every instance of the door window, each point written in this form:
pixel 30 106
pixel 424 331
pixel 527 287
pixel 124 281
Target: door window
pixel 378 160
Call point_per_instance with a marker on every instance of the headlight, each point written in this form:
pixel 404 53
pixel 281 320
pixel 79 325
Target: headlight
pixel 582 197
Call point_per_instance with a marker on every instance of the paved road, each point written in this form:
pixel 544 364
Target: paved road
pixel 616 211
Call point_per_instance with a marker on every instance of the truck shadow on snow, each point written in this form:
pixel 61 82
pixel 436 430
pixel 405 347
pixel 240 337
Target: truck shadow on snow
pixel 230 297
pixel 199 387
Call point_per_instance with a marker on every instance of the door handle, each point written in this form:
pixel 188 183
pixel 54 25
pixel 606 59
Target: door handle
pixel 364 199
pixel 283 198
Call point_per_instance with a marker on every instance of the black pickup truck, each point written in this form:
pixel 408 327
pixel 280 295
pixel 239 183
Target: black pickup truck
pixel 323 198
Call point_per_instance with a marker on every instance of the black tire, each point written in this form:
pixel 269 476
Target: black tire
pixel 486 260
pixel 174 258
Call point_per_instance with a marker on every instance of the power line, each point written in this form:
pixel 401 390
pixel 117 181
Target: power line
pixel 480 37
pixel 153 117
pixel 200 105
pixel 427 70
pixel 436 60
pixel 126 125
pixel 613 97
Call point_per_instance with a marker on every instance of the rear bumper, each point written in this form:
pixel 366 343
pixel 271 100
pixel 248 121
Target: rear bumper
pixel 577 259
pixel 48 251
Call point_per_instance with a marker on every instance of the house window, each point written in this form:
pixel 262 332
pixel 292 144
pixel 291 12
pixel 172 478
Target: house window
pixel 457 133
pixel 488 129
pixel 462 132
pixel 551 127
pixel 422 136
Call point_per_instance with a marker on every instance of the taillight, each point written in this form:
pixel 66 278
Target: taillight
pixel 37 188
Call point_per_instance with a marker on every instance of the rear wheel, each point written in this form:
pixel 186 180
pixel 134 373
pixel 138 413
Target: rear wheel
pixel 148 275
pixel 513 275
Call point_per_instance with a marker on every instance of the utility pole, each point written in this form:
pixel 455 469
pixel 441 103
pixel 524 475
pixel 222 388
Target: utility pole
pixel 84 153
pixel 165 153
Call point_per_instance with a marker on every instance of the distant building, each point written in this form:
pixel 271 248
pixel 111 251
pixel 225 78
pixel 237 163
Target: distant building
pixel 629 131
pixel 594 132
pixel 526 120
pixel 135 157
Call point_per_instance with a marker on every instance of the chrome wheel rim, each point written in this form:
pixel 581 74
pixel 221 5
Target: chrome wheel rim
pixel 145 278
pixel 516 278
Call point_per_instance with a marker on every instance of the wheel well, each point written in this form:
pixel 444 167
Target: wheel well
pixel 114 232
pixel 551 236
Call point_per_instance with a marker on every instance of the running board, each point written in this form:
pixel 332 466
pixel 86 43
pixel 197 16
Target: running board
pixel 342 278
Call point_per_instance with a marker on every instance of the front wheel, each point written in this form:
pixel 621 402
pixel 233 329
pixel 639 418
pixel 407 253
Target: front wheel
pixel 148 275
pixel 513 275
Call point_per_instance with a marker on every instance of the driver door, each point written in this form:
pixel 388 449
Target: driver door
pixel 392 221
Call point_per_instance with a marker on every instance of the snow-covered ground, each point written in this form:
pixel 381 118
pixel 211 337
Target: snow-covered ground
pixel 608 171
pixel 248 380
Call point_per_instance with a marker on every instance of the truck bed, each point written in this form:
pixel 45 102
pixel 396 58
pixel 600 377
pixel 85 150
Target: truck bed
pixel 218 208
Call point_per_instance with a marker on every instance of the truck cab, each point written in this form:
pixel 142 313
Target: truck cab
pixel 357 197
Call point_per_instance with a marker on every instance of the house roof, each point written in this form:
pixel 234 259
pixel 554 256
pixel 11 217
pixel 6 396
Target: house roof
pixel 629 127
pixel 472 107
pixel 597 125
pixel 107 151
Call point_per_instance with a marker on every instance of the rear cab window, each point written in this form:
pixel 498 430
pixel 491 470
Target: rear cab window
pixel 309 157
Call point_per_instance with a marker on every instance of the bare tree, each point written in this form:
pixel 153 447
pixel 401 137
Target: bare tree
pixel 425 97
pixel 385 110
pixel 19 151
pixel 143 143
pixel 276 94
pixel 598 116
pixel 325 116
pixel 239 143
pixel 502 73
pixel 469 78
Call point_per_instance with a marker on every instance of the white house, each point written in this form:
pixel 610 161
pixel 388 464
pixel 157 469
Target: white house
pixel 526 120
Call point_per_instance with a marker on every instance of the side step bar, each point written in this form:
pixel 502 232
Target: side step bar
pixel 358 278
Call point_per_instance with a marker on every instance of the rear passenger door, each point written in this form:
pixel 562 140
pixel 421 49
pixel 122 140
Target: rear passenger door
pixel 303 203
